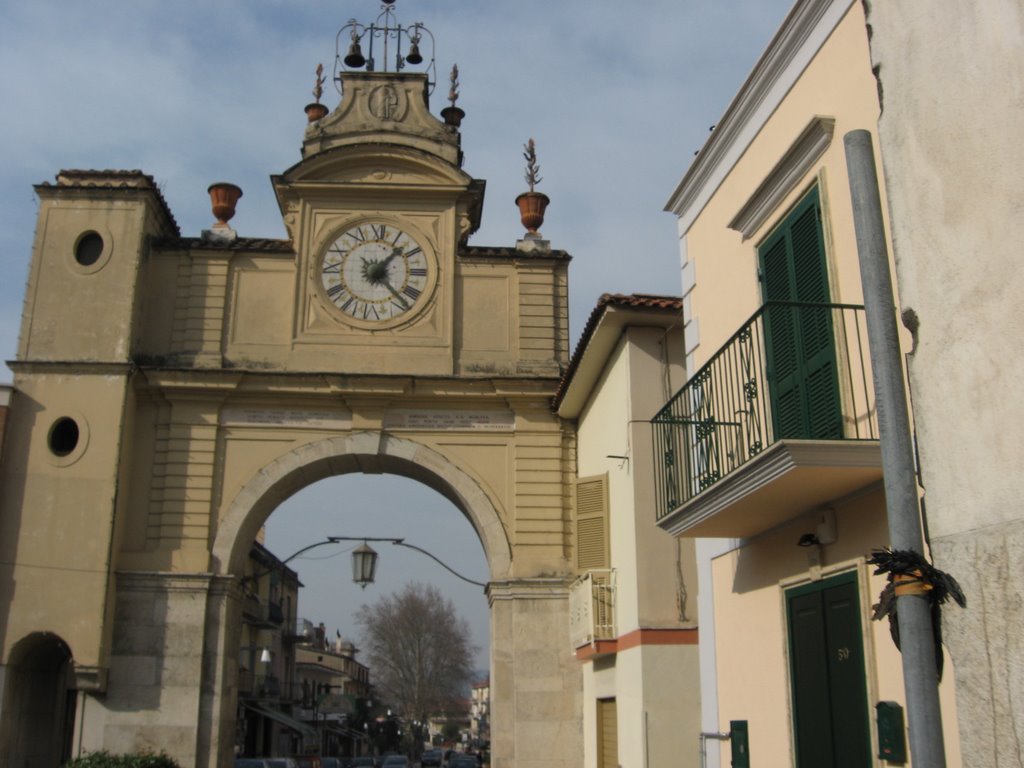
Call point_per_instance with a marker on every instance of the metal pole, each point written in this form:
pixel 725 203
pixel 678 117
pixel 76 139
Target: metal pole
pixel 920 679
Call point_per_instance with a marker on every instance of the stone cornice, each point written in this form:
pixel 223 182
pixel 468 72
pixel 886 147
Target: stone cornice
pixel 541 588
pixel 261 382
pixel 783 178
pixel 71 367
pixel 165 581
pixel 770 466
pixel 799 38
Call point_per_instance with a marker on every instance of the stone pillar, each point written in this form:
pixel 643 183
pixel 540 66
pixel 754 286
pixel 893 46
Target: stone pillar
pixel 536 682
pixel 153 694
pixel 219 702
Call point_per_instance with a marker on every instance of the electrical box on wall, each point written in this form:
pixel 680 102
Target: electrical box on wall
pixel 892 744
pixel 740 744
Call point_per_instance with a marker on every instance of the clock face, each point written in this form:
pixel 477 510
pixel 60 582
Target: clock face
pixel 375 273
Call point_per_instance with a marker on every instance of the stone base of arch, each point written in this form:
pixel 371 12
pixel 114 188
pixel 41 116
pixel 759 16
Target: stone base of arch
pixel 536 682
pixel 173 673
pixel 167 684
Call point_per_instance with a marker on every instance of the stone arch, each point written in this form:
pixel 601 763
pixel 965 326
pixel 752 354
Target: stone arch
pixel 39 676
pixel 365 452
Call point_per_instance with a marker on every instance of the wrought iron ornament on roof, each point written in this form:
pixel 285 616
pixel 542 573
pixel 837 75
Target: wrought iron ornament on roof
pixel 400 44
pixel 910 574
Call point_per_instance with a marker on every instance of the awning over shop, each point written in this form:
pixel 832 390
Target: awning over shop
pixel 306 731
pixel 337 704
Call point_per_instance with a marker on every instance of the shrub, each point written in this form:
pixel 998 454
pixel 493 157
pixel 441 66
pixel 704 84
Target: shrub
pixel 104 759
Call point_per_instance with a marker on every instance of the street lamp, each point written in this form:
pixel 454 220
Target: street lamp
pixel 364 559
pixel 364 565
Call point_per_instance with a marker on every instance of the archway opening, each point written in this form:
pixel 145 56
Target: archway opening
pixel 39 691
pixel 319 696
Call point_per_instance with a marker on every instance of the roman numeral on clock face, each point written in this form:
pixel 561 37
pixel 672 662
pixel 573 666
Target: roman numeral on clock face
pixel 418 271
pixel 411 292
pixel 379 231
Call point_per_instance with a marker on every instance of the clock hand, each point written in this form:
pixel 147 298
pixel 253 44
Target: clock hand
pixel 396 294
pixel 396 251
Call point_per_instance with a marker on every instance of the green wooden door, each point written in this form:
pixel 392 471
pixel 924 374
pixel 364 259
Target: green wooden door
pixel 830 707
pixel 800 346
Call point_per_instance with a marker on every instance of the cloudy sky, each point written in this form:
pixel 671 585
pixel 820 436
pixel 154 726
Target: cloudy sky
pixel 617 95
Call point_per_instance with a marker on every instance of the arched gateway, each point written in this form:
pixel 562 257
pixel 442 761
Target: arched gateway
pixel 171 391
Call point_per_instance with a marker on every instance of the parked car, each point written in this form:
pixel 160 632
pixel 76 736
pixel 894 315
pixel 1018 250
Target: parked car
pixel 395 761
pixel 364 761
pixel 431 757
pixel 250 762
pixel 330 762
pixel 463 760
pixel 309 761
pixel 281 762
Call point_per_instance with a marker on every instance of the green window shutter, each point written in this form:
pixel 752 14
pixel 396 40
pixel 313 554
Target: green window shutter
pixel 592 523
pixel 799 339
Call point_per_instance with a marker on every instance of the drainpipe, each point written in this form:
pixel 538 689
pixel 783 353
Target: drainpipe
pixel 917 639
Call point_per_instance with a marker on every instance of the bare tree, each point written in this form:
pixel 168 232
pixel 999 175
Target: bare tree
pixel 418 649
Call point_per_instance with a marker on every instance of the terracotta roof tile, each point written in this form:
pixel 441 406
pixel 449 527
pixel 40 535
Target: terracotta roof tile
pixel 496 252
pixel 265 244
pixel 113 179
pixel 645 301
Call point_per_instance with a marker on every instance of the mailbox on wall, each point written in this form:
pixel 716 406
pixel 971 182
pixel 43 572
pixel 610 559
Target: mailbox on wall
pixel 892 743
pixel 740 744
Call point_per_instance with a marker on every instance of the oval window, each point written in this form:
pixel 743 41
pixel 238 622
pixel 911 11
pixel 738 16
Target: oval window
pixel 89 249
pixel 64 435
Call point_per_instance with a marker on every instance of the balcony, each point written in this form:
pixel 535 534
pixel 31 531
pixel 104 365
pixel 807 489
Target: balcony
pixel 780 420
pixel 266 614
pixel 592 608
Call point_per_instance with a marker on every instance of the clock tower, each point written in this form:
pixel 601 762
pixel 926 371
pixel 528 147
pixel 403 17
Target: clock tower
pixel 379 210
pixel 171 390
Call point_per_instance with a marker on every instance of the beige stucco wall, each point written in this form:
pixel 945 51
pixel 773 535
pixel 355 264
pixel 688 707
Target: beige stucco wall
pixel 634 384
pixel 656 690
pixel 720 272
pixel 838 84
pixel 953 90
pixel 656 687
pixel 59 512
pixel 750 626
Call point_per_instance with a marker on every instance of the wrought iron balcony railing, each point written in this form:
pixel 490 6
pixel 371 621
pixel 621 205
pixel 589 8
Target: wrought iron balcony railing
pixel 592 607
pixel 251 685
pixel 264 613
pixel 793 371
